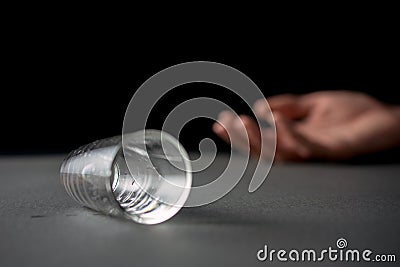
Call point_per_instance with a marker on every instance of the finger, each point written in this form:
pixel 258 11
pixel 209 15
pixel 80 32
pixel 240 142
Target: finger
pixel 241 131
pixel 253 133
pixel 240 134
pixel 232 130
pixel 225 120
pixel 221 131
pixel 290 106
pixel 291 145
pixel 262 111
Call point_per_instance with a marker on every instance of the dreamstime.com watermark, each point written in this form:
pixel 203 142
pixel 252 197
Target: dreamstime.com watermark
pixel 339 253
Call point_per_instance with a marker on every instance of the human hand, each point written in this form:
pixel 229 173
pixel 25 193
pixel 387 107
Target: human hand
pixel 327 125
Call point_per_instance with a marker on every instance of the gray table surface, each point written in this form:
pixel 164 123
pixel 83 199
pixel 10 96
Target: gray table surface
pixel 299 206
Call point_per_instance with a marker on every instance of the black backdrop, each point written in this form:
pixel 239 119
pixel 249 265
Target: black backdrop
pixel 64 93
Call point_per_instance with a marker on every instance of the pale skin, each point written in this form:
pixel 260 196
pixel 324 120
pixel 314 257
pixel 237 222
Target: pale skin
pixel 325 125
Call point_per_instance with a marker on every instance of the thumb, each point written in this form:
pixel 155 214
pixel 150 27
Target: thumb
pixel 291 144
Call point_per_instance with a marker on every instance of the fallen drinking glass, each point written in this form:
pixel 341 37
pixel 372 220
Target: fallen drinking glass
pixel 144 176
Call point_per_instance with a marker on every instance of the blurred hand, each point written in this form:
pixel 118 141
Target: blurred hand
pixel 327 125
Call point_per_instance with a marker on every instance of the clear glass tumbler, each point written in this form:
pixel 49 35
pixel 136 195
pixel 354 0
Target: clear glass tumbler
pixel 144 176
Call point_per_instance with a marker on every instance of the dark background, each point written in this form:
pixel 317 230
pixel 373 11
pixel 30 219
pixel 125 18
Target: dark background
pixel 64 90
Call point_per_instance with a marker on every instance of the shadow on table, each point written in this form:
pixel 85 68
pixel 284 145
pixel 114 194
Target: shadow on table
pixel 202 215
